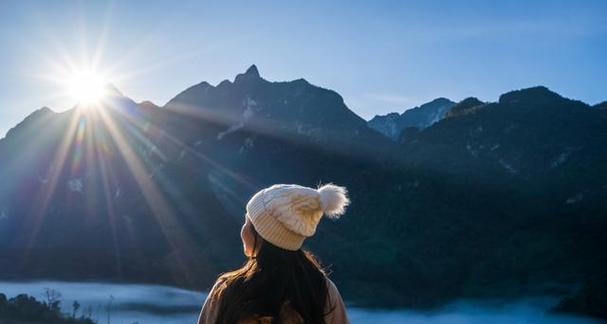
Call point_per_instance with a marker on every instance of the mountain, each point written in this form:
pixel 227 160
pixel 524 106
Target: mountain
pixel 541 155
pixel 504 200
pixel 601 106
pixel 527 133
pixel 464 107
pixel 138 192
pixel 83 198
pixel 287 109
pixel 420 117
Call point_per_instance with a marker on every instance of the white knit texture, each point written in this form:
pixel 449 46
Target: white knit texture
pixel 285 214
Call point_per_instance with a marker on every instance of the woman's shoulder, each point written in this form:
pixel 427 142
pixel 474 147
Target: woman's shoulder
pixel 330 284
pixel 221 282
pixel 332 291
pixel 211 303
pixel 219 286
pixel 336 310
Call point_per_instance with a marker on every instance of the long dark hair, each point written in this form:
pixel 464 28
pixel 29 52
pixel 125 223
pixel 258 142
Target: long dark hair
pixel 268 280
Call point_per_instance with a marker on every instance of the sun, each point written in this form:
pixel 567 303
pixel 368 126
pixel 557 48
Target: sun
pixel 87 87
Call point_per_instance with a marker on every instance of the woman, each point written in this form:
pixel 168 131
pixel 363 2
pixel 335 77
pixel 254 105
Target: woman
pixel 280 282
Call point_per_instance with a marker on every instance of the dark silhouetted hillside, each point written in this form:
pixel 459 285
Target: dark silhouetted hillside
pixel 501 199
pixel 24 309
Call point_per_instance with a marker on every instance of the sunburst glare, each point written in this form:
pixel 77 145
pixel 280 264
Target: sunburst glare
pixel 87 87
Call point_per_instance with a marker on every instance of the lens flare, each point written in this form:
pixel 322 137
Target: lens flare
pixel 87 87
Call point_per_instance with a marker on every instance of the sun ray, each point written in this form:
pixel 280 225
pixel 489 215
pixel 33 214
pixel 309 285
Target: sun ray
pixel 173 231
pixel 55 172
pixel 108 193
pixel 102 38
pixel 189 149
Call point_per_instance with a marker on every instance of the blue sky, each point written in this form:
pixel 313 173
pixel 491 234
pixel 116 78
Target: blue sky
pixel 381 56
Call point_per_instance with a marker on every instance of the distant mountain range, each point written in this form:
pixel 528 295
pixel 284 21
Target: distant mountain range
pixel 499 199
pixel 420 117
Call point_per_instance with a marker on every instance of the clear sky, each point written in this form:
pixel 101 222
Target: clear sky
pixel 381 56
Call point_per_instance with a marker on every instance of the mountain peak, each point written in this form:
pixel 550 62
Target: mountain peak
pixel 251 74
pixel 465 107
pixel 441 101
pixel 43 110
pixel 438 106
pixel 36 117
pixel 419 117
pixel 146 104
pixel 469 103
pixel 534 94
pixel 111 90
pixel 252 70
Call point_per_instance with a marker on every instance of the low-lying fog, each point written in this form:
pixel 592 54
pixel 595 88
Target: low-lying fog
pixel 143 304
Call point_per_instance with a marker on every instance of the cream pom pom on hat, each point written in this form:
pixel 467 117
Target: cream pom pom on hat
pixel 286 214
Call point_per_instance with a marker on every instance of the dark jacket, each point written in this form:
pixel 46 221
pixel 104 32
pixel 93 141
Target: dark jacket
pixel 208 315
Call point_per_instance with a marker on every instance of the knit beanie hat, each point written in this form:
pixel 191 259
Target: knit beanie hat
pixel 285 214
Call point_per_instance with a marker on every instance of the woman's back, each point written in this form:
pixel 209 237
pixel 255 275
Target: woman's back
pixel 335 310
